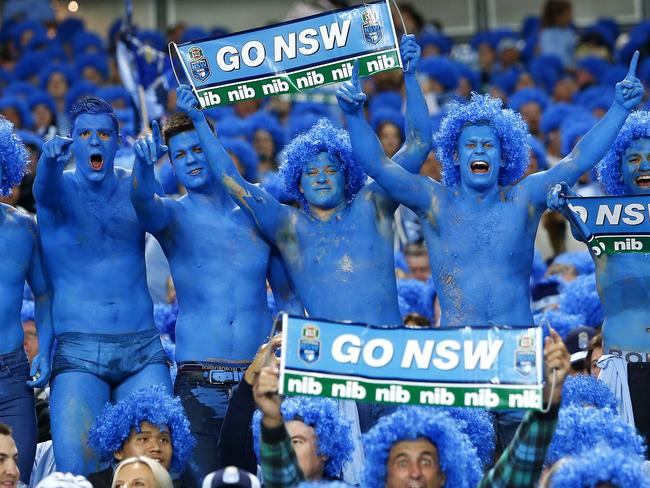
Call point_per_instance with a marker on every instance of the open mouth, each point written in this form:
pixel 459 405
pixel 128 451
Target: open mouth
pixel 96 162
pixel 643 181
pixel 195 171
pixel 480 167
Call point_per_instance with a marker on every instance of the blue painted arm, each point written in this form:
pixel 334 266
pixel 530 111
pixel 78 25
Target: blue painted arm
pixel 418 141
pixel 152 213
pixel 48 184
pixel 41 366
pixel 557 200
pixel 595 144
pixel 400 185
pixel 286 298
pixel 264 210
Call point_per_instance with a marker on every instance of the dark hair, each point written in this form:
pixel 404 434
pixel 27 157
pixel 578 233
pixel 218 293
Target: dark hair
pixel 408 8
pixel 177 123
pixel 415 250
pixel 595 343
pixel 92 106
pixel 5 429
pixel 552 10
pixel 417 319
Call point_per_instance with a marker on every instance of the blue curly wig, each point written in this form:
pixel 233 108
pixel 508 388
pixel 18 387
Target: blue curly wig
pixel 265 121
pixel 580 260
pixel 572 129
pixel 13 157
pixel 322 137
pixel 386 100
pixel 601 464
pixel 332 431
pixel 580 296
pixel 380 116
pixel 554 115
pixel 114 425
pixel 508 125
pixel 585 390
pixel 608 171
pixel 411 291
pixel 528 95
pixel 245 154
pixel 441 69
pixel 458 458
pixel 476 424
pixel 579 428
pixel 562 322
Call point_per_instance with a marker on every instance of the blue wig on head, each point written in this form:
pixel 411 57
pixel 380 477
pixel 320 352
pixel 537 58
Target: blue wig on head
pixel 528 95
pixel 85 41
pixel 581 261
pixel 92 106
pixel 579 428
pixel 39 97
pixel 263 120
pixel 562 322
pixel 80 90
pixel 509 127
pixel 600 465
pixel 20 106
pixel 587 391
pixel 540 153
pixel 152 404
pixel 164 318
pixel 29 64
pixel 506 80
pixel 386 100
pixel 471 75
pixel 13 157
pixel 333 432
pixel 572 130
pixel 434 39
pixel 554 115
pixel 114 93
pixel 458 459
pixel 580 296
pixel 608 171
pixel 411 291
pixel 595 66
pixel 92 60
pixel 233 127
pixel 381 116
pixel 442 70
pixel 45 74
pixel 546 70
pixel 272 183
pixel 27 311
pixel 322 137
pixel 245 154
pixel 476 424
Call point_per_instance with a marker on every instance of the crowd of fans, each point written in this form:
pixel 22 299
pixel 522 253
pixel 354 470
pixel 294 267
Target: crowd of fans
pixel 559 77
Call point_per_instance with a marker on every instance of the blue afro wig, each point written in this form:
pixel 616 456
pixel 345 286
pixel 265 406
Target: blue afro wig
pixel 546 70
pixel 79 91
pixel 322 137
pixel 595 66
pixel 27 311
pixel 45 74
pixel 20 106
pixel 600 465
pixel 265 121
pixel 472 76
pixel 115 424
pixel 508 125
pixel 39 97
pixel 114 93
pixel 580 428
pixel 562 322
pixel 233 127
pixel 13 157
pixel 412 294
pixel 245 154
pixel 506 80
pixel 608 171
pixel 332 431
pixel 381 116
pixel 528 95
pixel 92 60
pixel 580 260
pixel 580 296
pixel 29 64
pixel 572 130
pixel 272 183
pixel 477 424
pixel 554 115
pixel 434 39
pixel 458 458
pixel 84 42
pixel 386 100
pixel 442 70
pixel 587 391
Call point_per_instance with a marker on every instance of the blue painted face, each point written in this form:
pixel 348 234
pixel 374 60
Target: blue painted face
pixel 95 141
pixel 635 168
pixel 479 157
pixel 322 182
pixel 187 156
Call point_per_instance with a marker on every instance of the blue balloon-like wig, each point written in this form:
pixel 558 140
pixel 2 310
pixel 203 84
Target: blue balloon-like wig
pixel 164 318
pixel 412 293
pixel 458 458
pixel 562 322
pixel 580 260
pixel 580 428
pixel 322 137
pixel 585 390
pixel 608 171
pixel 600 465
pixel 572 130
pixel 477 424
pixel 528 95
pixel 441 69
pixel 245 154
pixel 263 120
pixel 13 157
pixel 580 296
pixel 510 128
pixel 333 432
pixel 114 425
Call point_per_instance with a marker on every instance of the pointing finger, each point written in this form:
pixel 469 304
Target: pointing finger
pixel 635 59
pixel 355 75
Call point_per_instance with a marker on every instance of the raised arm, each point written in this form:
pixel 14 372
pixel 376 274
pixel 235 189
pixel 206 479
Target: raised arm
pixel 151 210
pixel 400 185
pixel 417 145
pixel 40 369
pixel 595 144
pixel 284 293
pixel 557 200
pixel 48 184
pixel 264 210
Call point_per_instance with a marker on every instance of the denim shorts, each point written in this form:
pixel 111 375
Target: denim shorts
pixel 111 357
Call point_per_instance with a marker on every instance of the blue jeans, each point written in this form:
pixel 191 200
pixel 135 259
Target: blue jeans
pixel 205 405
pixel 17 408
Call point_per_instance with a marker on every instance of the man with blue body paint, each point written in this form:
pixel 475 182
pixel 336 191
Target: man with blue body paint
pixel 219 263
pixel 338 249
pixel 20 261
pixel 480 223
pixel 623 280
pixel 93 248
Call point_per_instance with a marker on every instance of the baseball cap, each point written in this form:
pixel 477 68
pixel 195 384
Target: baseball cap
pixel 231 476
pixel 577 342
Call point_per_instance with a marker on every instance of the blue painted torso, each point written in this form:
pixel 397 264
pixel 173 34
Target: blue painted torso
pixel 93 248
pixel 17 241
